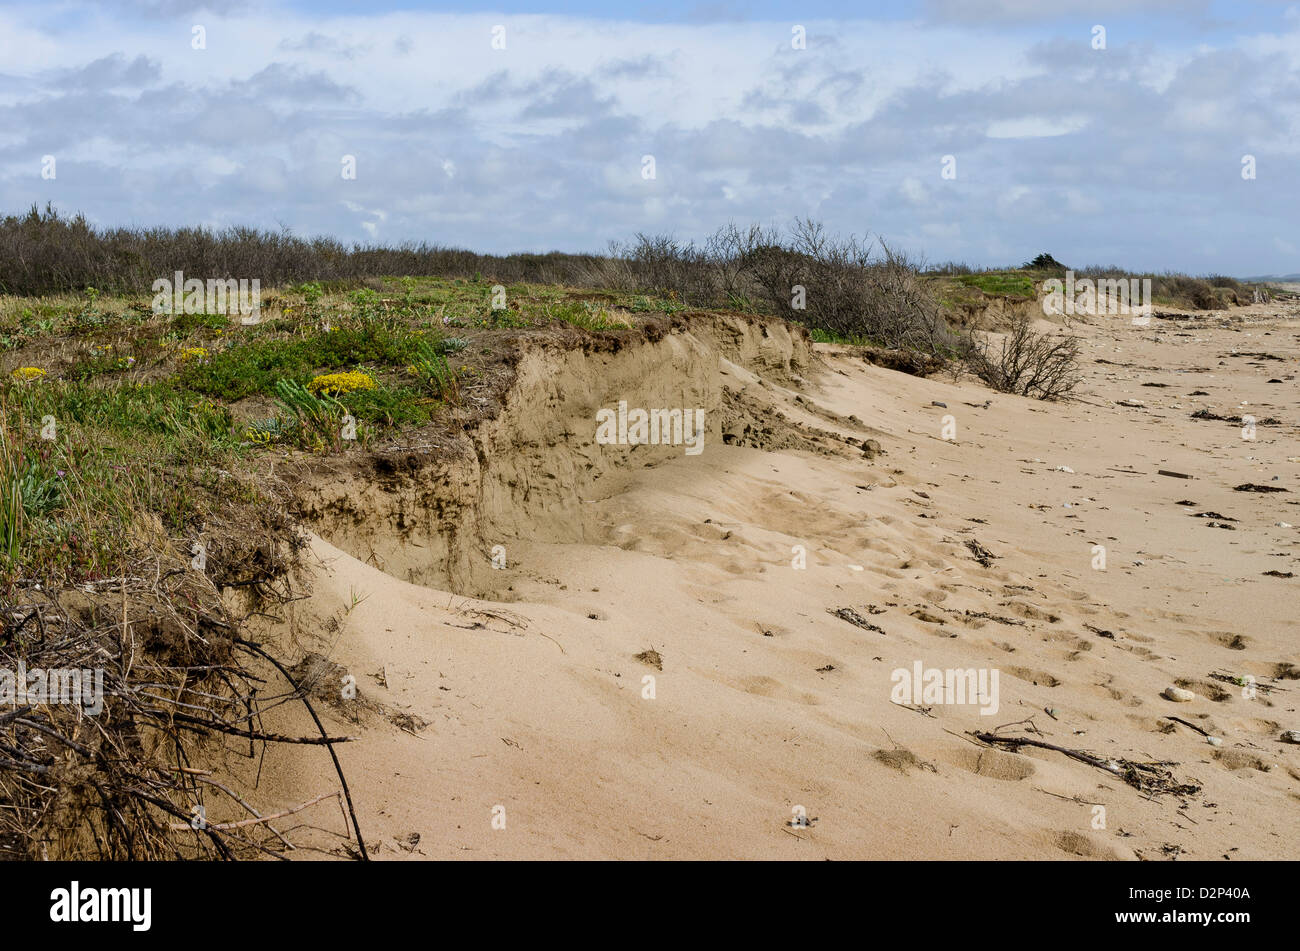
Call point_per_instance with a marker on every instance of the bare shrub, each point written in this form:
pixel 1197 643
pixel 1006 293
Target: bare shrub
pixel 1026 362
pixel 849 290
pixel 1213 292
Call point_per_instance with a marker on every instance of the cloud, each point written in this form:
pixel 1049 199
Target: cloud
pixel 1121 154
pixel 173 8
pixel 1028 11
pixel 314 42
pixel 109 72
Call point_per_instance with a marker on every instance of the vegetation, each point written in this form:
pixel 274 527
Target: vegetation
pixel 1041 365
pixel 128 437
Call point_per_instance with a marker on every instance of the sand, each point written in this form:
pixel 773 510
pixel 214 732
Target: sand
pixel 539 736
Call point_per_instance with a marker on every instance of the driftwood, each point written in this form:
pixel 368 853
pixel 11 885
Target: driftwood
pixel 1242 682
pixel 853 617
pixel 1147 777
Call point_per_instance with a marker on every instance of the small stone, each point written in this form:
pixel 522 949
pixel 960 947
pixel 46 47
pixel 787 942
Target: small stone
pixel 1178 695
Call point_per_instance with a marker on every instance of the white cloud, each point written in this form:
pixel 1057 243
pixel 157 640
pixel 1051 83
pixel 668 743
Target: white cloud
pixel 539 145
pixel 1035 127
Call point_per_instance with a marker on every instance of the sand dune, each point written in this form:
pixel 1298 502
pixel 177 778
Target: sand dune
pixel 530 701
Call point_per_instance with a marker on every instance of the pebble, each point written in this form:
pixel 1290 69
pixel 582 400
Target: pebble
pixel 1178 695
pixel 1214 741
pixel 1291 736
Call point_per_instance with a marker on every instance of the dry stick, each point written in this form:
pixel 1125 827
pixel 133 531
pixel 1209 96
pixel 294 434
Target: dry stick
pixel 924 711
pixel 223 826
pixel 1074 798
pixel 212 782
pixel 185 719
pixel 1186 724
pixel 338 768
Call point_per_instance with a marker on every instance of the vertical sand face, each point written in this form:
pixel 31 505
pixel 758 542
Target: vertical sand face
pixel 535 732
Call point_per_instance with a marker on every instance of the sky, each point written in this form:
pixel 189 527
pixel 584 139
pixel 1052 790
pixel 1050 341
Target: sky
pixel 1149 134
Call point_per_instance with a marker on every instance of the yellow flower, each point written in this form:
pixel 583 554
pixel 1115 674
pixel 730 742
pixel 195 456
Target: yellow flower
pixel 27 374
pixel 340 383
pixel 194 353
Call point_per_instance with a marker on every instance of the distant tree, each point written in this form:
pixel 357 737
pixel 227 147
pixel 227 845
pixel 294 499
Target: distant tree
pixel 1044 262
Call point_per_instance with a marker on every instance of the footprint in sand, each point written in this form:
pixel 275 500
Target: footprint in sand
pixel 1235 642
pixel 902 759
pixel 1153 724
pixel 1257 725
pixel 1111 693
pixel 1206 688
pixel 1241 759
pixel 1140 652
pixel 1075 843
pixel 772 688
pixel 1029 612
pixel 1039 678
pixel 993 764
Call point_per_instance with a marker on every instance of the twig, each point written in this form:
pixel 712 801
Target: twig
pixel 328 744
pixel 223 826
pixel 1186 724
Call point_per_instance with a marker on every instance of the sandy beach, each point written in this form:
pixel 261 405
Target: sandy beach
pixel 653 675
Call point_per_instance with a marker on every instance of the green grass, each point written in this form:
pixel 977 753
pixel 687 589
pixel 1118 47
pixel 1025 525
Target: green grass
pixel 827 336
pixel 70 501
pixel 144 431
pixel 253 367
pixel 586 314
pixel 1001 283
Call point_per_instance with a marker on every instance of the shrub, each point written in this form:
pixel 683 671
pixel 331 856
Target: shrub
pixel 1025 362
pixel 848 290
